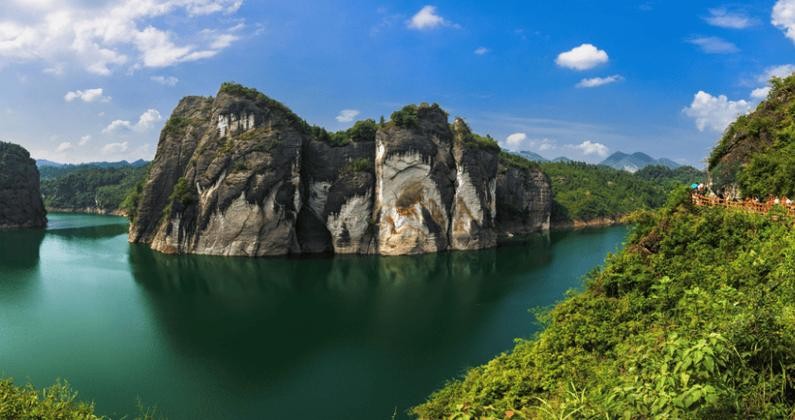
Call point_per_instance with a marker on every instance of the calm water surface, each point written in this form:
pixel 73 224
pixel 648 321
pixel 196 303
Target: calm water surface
pixel 208 337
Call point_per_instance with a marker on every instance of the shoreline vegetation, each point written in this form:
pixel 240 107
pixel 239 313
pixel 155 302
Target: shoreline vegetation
pixel 693 318
pixel 58 401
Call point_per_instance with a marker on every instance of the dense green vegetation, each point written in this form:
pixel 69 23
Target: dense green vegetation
pixel 683 175
pixel 695 318
pixel 405 117
pixel 757 152
pixel 56 402
pixel 362 131
pixel 13 159
pixel 477 141
pixel 586 192
pixel 90 186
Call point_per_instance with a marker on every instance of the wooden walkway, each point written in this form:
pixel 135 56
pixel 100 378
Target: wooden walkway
pixel 752 206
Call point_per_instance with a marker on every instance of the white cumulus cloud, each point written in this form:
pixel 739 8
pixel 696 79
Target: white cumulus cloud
pixel 427 18
pixel 780 71
pixel 84 140
pixel 783 17
pixel 723 18
pixel 599 81
pixel 715 112
pixel 584 57
pixel 347 115
pixel 760 93
pixel 589 148
pixel 146 121
pixel 101 36
pixel 714 45
pixel 481 51
pixel 515 139
pixel 88 95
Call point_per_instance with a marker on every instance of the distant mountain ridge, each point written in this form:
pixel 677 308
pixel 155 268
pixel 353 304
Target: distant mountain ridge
pixel 535 157
pixel 49 169
pixel 636 161
pixel 44 163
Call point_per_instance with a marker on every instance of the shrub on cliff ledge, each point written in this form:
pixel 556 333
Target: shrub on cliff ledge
pixel 405 117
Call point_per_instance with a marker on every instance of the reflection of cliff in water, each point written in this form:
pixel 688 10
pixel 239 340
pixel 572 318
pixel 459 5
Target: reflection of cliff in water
pixel 19 249
pixel 89 232
pixel 275 312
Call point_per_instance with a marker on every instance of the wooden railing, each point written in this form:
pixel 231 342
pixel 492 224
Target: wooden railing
pixel 754 206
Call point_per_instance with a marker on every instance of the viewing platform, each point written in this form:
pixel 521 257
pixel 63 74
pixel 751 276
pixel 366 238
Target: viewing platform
pixel 754 206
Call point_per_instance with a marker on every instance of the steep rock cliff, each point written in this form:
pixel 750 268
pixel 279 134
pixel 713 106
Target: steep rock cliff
pixel 475 203
pixel 21 205
pixel 226 181
pixel 415 182
pixel 524 197
pixel 338 183
pixel 240 174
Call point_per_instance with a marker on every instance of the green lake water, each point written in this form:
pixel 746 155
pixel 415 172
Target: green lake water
pixel 234 338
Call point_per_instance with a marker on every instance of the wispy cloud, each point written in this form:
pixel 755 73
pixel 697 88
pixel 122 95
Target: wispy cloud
pixel 599 81
pixel 347 115
pixel 165 80
pixel 714 45
pixel 88 95
pixel 481 51
pixel 723 18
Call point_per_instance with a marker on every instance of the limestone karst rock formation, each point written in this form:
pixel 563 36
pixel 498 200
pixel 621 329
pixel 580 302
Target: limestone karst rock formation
pixel 21 205
pixel 240 174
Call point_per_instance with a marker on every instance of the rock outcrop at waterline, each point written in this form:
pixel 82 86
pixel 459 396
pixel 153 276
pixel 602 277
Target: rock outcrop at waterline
pixel 21 205
pixel 240 174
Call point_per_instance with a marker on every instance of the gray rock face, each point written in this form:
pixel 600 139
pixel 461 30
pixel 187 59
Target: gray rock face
pixel 338 188
pixel 524 200
pixel 231 180
pixel 21 205
pixel 415 184
pixel 475 203
pixel 240 174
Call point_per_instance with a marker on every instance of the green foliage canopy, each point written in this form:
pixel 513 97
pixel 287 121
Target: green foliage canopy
pixel 695 318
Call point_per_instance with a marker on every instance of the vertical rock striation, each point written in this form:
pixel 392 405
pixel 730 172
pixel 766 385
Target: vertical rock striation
pixel 475 203
pixel 240 174
pixel 21 205
pixel 415 182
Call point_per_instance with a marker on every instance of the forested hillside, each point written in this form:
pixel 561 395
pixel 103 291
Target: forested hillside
pixel 695 318
pixel 584 192
pixel 756 155
pixel 88 188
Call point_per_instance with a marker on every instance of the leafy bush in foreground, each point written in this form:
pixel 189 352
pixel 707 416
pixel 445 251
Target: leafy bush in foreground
pixel 56 402
pixel 695 318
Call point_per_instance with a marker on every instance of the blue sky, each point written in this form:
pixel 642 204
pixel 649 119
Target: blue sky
pixel 86 80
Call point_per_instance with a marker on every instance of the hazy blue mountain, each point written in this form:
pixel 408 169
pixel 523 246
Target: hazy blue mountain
pixel 531 156
pixel 636 161
pixel 44 163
